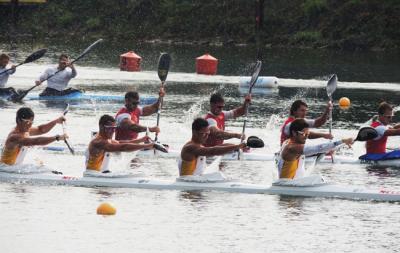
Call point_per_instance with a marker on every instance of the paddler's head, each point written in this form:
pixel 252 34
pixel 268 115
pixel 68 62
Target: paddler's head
pixel 200 130
pixel 24 118
pixel 63 61
pixel 107 126
pixel 385 113
pixel 131 100
pixel 217 103
pixel 299 131
pixel 298 109
pixel 4 60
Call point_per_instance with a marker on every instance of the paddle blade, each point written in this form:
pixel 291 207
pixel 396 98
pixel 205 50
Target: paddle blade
pixel 87 50
pixel 35 56
pixel 254 142
pixel 366 133
pixel 331 85
pixel 163 66
pixel 256 72
pixel 160 147
pixel 66 109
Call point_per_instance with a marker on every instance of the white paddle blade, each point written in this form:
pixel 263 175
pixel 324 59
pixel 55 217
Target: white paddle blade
pixel 331 85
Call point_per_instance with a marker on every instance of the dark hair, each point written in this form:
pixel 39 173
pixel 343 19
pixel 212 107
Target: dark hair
pixel 199 124
pixel 4 56
pixel 24 113
pixel 216 98
pixel 296 105
pixel 297 125
pixel 383 107
pixel 132 94
pixel 106 119
pixel 63 56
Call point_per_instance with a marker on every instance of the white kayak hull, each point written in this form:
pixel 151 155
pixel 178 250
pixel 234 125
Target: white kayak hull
pixel 326 190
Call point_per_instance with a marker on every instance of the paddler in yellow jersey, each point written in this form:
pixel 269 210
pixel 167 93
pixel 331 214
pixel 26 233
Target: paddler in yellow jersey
pixel 294 150
pixel 21 136
pixel 98 154
pixel 193 155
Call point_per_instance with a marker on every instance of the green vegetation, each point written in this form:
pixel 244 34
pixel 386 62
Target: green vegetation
pixel 349 25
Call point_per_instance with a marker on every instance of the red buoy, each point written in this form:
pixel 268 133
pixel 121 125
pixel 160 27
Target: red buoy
pixel 206 64
pixel 130 61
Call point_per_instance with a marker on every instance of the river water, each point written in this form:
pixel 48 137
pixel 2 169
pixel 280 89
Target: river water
pixel 63 219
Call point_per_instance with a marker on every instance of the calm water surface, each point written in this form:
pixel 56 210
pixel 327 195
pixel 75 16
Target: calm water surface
pixel 62 219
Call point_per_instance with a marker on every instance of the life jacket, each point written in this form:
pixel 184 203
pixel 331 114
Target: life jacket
pixel 99 162
pixel 127 134
pixel 284 137
pixel 13 156
pixel 192 168
pixel 376 146
pixel 220 119
pixel 291 169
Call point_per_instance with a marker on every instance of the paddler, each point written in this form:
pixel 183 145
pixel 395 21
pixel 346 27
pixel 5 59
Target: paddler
pixel 4 61
pixel 100 147
pixel 57 84
pixel 128 116
pixel 193 155
pixel 294 150
pixel 381 125
pixel 298 110
pixel 216 118
pixel 25 135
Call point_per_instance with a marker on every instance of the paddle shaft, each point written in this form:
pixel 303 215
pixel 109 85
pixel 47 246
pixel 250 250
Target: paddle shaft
pixel 160 99
pixel 64 131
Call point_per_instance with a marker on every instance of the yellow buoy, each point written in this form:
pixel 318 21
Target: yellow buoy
pixel 106 209
pixel 344 103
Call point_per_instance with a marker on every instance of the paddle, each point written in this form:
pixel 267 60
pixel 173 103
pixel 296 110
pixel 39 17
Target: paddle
pixel 20 96
pixel 253 80
pixel 64 131
pixel 330 89
pixel 32 57
pixel 163 67
pixel 366 134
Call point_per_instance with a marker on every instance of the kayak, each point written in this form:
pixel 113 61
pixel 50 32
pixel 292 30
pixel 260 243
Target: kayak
pixel 325 190
pixel 84 96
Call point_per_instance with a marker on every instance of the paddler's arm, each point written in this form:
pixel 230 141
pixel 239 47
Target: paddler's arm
pixel 73 73
pixel 314 135
pixel 324 117
pixel 33 141
pixel 42 129
pixel 125 147
pixel 150 109
pixel 397 126
pixel 217 150
pixel 219 134
pixel 392 132
pixel 325 147
pixel 240 111
pixel 138 140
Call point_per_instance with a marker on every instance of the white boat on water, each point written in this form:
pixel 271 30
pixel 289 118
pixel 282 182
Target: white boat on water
pixel 325 190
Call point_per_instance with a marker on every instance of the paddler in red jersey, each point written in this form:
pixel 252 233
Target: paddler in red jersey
pixel 128 117
pixel 298 110
pixel 384 118
pixel 216 118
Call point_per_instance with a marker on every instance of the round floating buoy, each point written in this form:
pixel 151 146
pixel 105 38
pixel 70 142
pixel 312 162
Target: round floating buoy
pixel 106 209
pixel 130 62
pixel 262 82
pixel 206 64
pixel 344 103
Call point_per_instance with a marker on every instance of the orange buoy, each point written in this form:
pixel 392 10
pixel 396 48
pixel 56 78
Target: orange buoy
pixel 206 64
pixel 344 103
pixel 130 62
pixel 106 209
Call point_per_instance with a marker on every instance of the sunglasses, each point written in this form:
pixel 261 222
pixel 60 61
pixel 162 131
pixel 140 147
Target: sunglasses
pixel 110 128
pixel 204 133
pixel 303 133
pixel 388 116
pixel 26 121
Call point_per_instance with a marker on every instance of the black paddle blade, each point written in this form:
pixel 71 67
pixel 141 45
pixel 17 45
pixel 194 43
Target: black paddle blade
pixel 254 142
pixel 17 97
pixel 160 147
pixel 366 134
pixel 331 85
pixel 256 72
pixel 163 66
pixel 66 109
pixel 36 55
pixel 87 50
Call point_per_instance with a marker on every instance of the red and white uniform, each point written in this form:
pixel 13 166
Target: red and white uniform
pixel 377 145
pixel 122 114
pixel 285 130
pixel 219 122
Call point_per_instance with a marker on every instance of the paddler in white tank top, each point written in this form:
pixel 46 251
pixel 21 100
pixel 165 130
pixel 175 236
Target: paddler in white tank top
pixel 192 160
pixel 102 145
pixel 20 137
pixel 294 150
